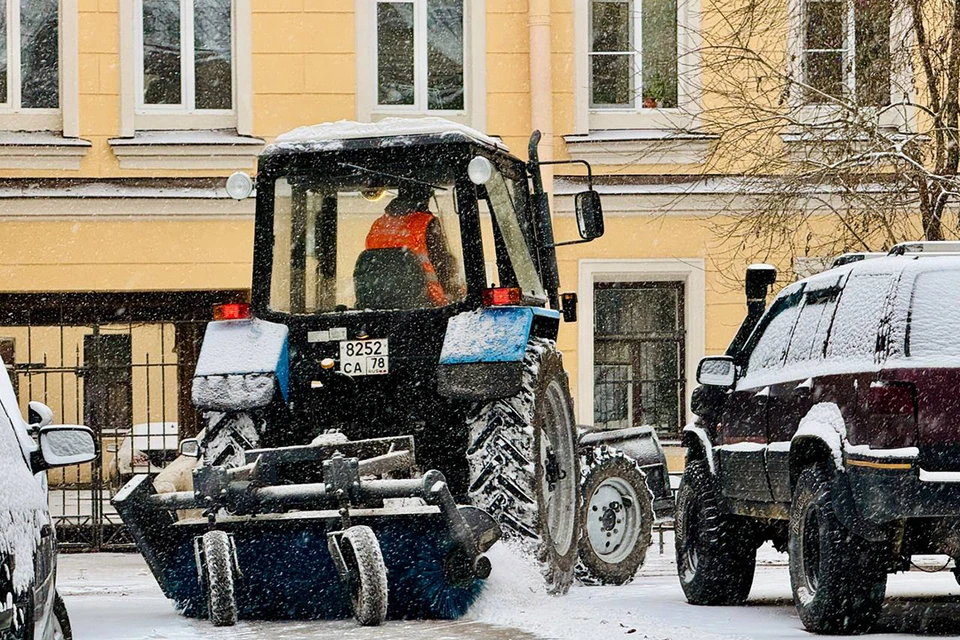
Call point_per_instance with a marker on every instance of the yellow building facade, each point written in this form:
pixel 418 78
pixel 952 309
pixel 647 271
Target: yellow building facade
pixel 120 120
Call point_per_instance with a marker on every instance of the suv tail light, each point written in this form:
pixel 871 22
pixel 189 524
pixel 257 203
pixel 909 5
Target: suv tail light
pixel 893 415
pixel 231 311
pixel 890 399
pixel 502 296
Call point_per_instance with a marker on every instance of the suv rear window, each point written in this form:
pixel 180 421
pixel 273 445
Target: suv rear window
pixel 935 315
pixel 862 304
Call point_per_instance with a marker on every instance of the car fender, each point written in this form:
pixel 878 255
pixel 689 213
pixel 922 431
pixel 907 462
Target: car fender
pixel 821 439
pixel 483 350
pixel 242 365
pixel 695 439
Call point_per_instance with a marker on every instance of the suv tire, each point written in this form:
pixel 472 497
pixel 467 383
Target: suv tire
pixel 716 551
pixel 837 577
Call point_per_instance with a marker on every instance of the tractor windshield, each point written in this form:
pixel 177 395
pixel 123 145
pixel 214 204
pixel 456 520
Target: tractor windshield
pixel 364 240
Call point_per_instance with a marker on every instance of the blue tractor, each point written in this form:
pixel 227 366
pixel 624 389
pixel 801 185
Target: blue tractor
pixel 404 312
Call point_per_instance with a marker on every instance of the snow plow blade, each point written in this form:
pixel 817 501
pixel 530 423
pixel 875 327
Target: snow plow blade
pixel 286 536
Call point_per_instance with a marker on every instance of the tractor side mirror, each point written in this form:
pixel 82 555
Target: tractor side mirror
pixel 589 214
pixel 190 448
pixel 717 371
pixel 64 445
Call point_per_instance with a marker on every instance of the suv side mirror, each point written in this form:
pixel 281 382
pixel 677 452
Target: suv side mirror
pixel 717 371
pixel 64 445
pixel 39 415
pixel 589 214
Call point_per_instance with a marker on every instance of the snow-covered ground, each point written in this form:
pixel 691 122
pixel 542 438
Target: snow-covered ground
pixel 114 597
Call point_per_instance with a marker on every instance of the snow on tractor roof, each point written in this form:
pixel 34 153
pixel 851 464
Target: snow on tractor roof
pixel 329 136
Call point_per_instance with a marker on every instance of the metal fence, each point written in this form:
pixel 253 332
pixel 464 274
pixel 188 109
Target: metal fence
pixel 119 364
pixel 124 383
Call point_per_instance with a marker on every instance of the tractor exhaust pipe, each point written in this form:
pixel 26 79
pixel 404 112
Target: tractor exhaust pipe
pixel 759 279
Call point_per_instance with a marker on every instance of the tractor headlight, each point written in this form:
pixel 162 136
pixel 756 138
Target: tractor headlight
pixel 479 170
pixel 239 186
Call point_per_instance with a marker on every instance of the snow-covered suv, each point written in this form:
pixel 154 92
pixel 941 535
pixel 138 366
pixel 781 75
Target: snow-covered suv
pixel 832 428
pixel 30 607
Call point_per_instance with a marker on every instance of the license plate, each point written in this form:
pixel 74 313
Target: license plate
pixel 365 357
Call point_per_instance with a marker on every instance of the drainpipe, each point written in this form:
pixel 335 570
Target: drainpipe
pixel 541 83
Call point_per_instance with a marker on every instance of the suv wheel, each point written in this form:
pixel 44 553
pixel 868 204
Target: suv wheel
pixel 716 554
pixel 837 577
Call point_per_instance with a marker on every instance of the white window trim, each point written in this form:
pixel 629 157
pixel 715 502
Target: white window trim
pixel 901 75
pixel 474 69
pixel 690 271
pixel 689 95
pixel 66 118
pixel 135 116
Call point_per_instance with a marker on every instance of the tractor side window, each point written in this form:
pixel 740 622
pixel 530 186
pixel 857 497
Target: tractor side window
pixel 507 204
pixel 337 247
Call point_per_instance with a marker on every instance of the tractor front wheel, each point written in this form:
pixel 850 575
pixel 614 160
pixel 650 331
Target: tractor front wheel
pixel 524 468
pixel 218 563
pixel 367 575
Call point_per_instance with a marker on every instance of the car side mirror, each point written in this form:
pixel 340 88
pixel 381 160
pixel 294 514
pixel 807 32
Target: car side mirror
pixel 64 445
pixel 39 415
pixel 717 371
pixel 589 214
pixel 190 448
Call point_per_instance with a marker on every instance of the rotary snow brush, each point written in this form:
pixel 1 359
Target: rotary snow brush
pixel 314 533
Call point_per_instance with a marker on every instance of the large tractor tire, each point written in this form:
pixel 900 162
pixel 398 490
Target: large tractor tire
pixel 617 517
pixel 524 467
pixel 716 551
pixel 838 578
pixel 228 435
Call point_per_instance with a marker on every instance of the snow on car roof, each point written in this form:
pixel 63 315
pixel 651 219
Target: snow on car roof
pixel 329 136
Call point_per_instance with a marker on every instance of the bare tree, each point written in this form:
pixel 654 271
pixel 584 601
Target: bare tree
pixel 839 118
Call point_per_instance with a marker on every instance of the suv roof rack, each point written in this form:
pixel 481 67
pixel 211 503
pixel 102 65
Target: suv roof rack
pixel 848 258
pixel 935 247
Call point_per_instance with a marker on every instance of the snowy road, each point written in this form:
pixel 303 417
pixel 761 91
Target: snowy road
pixel 113 597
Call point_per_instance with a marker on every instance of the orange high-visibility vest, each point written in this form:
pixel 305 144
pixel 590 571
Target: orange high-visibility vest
pixel 409 231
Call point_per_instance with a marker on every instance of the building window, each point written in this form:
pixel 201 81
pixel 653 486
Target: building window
pixel 186 56
pixel 633 54
pixel 846 51
pixel 639 355
pixel 420 55
pixel 30 54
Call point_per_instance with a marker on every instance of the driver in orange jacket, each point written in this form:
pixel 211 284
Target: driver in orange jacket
pixel 408 223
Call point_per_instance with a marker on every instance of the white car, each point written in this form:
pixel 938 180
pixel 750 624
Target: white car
pixel 30 607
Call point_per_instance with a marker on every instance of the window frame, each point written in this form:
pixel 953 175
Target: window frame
pixel 421 89
pixel 636 51
pixel 893 115
pixel 213 118
pixel 63 119
pixel 689 91
pixel 473 114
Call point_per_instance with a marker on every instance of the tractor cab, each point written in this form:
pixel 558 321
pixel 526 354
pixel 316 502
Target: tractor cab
pixel 370 237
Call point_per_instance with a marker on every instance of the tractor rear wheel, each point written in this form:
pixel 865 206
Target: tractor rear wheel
pixel 524 467
pixel 227 436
